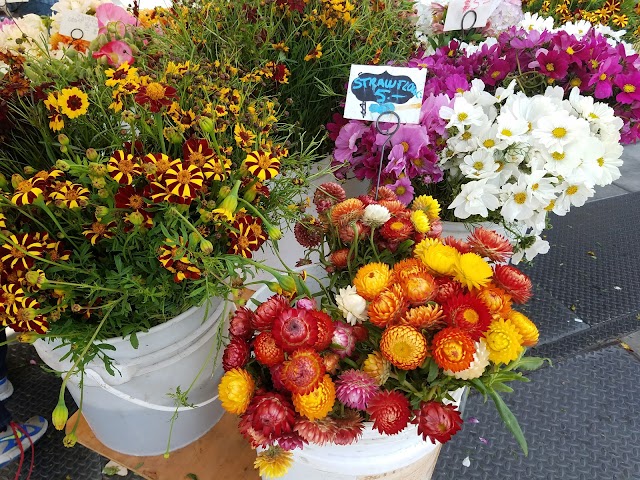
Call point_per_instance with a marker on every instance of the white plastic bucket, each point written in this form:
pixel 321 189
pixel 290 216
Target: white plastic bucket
pixel 405 456
pixel 130 412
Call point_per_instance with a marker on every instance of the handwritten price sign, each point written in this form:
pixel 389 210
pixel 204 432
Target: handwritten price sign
pixel 375 90
pixel 458 8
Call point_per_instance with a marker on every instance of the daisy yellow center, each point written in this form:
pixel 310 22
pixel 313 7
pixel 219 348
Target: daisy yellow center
pixel 264 161
pixel 459 90
pixel 155 91
pixel 243 243
pixel 600 161
pixel 557 156
pixel 506 132
pixel 417 162
pixel 10 298
pixel 478 165
pixel 535 186
pixel 495 74
pixel 183 177
pixel 462 116
pixel 628 88
pixel 15 253
pixel 593 115
pixel 594 63
pixel 197 158
pixel 549 207
pixel 405 146
pixel 559 132
pixel 471 316
pixel 520 198
pixel 402 350
pixel 217 167
pixel 570 51
pixel 489 142
pixel 572 190
pixel 401 190
pixel 162 165
pixel 550 67
pixel 126 166
pixel 135 201
pixel 466 135
pixel 98 228
pixel 71 195
pixel 603 76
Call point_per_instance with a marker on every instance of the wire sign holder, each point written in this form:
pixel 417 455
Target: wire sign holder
pixel 389 133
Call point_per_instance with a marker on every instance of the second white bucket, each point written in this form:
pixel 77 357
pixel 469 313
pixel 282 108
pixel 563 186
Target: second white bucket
pixel 132 412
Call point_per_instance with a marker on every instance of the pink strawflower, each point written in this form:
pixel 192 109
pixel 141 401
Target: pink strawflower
pixel 355 388
pixel 343 341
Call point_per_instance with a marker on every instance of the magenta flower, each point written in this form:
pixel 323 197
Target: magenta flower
pixel 116 52
pixel 334 127
pixel 553 64
pixel 396 161
pixel 354 388
pixel 629 86
pixel 602 79
pixel 498 70
pixel 456 83
pixel 307 304
pixel 107 13
pixel 346 142
pixel 403 189
pixel 343 341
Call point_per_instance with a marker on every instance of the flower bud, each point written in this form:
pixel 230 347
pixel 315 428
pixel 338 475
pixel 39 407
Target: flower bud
pixel 27 337
pixel 101 211
pixel 60 415
pixel 91 154
pixel 274 287
pixel 136 218
pixel 62 165
pixel 103 193
pixel 35 277
pixel 63 139
pixel 207 125
pixel 16 179
pixel 223 192
pixel 274 232
pixel 206 246
pixel 98 182
pixel 70 440
pixel 64 149
pixel 194 239
pixel 28 170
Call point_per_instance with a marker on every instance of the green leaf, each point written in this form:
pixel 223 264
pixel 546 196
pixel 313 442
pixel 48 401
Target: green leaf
pixel 510 421
pixel 134 340
pixel 105 346
pixel 478 385
pixel 192 476
pixel 532 363
pixel 433 371
pixel 501 387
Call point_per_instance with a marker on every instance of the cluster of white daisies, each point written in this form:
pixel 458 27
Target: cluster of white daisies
pixel 520 158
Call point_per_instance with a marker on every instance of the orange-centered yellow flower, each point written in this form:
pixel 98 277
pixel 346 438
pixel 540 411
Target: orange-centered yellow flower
pixel 526 328
pixel 442 259
pixel 404 346
pixel 319 402
pixel 503 341
pixel 235 390
pixel 473 271
pixel 372 279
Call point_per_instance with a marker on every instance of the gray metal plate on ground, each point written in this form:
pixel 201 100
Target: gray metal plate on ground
pixel 581 418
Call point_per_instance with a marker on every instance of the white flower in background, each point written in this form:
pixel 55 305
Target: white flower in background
pixel 556 131
pixel 479 164
pixel 82 6
pixel 609 32
pixel 478 364
pixel 518 201
pixel 375 215
pixel 464 141
pixel 487 138
pixel 511 129
pixel 572 194
pixel 536 22
pixel 26 36
pixel 543 186
pixel 352 305
pixel 563 162
pixel 601 162
pixel 504 93
pixel 539 247
pixel 579 29
pixel 477 96
pixel 476 198
pixel 463 114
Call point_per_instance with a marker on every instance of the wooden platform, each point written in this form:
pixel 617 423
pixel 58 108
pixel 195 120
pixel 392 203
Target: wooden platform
pixel 222 454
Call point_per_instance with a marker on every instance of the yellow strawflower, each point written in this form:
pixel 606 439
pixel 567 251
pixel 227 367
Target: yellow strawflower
pixel 319 402
pixel 420 249
pixel 503 341
pixel 372 279
pixel 273 462
pixel 525 327
pixel 236 390
pixel 442 259
pixel 420 221
pixel 428 205
pixel 377 367
pixel 473 271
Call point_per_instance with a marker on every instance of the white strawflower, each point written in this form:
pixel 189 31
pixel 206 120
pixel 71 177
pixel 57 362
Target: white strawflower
pixel 375 215
pixel 479 363
pixel 352 305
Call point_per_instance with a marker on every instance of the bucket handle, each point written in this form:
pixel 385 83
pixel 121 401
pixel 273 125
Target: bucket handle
pixel 93 375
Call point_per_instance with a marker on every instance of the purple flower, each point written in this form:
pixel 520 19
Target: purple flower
pixel 354 388
pixel 307 304
pixel 498 70
pixel 396 161
pixel 403 189
pixel 456 83
pixel 346 140
pixel 607 69
pixel 334 127
pixel 629 86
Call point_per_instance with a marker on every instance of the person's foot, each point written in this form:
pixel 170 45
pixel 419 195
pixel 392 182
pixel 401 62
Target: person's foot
pixel 34 428
pixel 6 389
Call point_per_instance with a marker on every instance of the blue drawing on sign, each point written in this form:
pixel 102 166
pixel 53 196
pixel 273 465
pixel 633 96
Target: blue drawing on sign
pixel 384 89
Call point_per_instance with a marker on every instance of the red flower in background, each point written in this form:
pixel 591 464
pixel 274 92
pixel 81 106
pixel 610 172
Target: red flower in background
pixel 156 95
pixel 436 421
pixel 389 411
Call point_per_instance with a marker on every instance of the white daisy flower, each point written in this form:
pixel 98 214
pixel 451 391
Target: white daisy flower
pixel 572 194
pixel 539 247
pixel 518 202
pixel 602 163
pixel 463 114
pixel 479 164
pixel 556 131
pixel 476 198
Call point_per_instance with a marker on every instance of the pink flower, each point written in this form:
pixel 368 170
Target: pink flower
pixel 343 340
pixel 307 304
pixel 109 13
pixel 355 388
pixel 116 52
pixel 403 189
pixel 629 86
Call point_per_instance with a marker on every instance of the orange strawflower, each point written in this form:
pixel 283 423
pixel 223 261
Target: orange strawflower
pixel 497 300
pixel 407 268
pixel 347 211
pixel 387 307
pixel 526 328
pixel 404 346
pixel 236 390
pixel 377 367
pixel 420 288
pixel 428 317
pixel 319 402
pixel 372 279
pixel 453 349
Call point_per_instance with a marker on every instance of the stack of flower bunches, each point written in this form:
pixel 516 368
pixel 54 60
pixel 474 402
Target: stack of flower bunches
pixel 297 373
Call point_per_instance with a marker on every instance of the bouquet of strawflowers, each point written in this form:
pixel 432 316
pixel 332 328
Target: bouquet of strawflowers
pixel 404 319
pixel 136 185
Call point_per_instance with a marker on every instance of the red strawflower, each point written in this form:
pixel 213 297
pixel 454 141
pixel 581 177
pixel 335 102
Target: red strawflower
pixel 360 332
pixel 276 377
pixel 460 245
pixel 514 282
pixel 295 328
pixel 437 421
pixel 324 323
pixel 291 441
pixel 348 232
pixel 389 411
pixel 490 244
pixel 266 350
pixel 303 371
pixel 272 413
pixel 236 354
pixel 384 194
pixel 267 312
pixel 319 432
pixel 397 229
pixel 447 289
pixel 327 195
pixel 240 324
pixel 436 229
pixel 340 258
pixel 308 232
pixel 348 428
pixel 255 438
pixel 468 313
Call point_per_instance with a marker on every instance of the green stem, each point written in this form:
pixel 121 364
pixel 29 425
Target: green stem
pixel 40 203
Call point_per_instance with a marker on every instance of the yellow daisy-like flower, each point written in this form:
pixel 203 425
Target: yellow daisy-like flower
pixel 3 219
pixel 420 221
pixel 442 259
pixel 421 248
pixel 404 346
pixel 377 367
pixel 273 462
pixel 262 164
pixel 428 205
pixel 503 341
pixel 243 136
pixel 319 402
pixel 73 102
pixel 526 328
pixel 372 279
pixel 473 271
pixel 236 390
